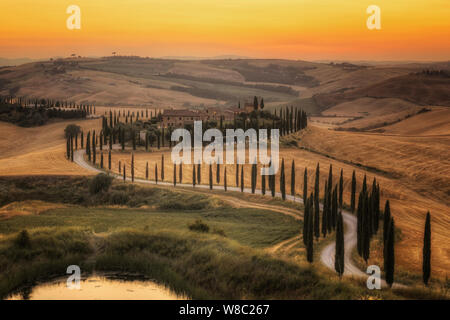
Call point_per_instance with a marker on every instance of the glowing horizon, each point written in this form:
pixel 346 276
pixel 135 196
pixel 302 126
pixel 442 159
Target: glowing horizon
pixel 291 29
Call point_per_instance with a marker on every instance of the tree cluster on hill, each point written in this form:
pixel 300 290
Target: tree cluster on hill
pixel 27 114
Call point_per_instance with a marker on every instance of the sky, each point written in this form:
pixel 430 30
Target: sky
pixel 288 29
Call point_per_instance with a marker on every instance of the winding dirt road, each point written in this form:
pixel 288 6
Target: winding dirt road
pixel 327 254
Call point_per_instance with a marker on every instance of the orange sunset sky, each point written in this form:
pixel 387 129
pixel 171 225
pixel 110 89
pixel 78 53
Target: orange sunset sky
pixel 292 29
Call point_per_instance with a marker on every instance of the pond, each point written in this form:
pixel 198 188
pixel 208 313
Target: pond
pixel 99 287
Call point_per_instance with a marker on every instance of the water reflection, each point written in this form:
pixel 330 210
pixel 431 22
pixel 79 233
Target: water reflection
pixel 98 287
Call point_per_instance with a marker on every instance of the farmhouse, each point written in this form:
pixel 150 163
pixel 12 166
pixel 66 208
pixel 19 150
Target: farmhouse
pixel 178 117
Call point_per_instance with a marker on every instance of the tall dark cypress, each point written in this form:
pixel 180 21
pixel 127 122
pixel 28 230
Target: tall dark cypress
pixel 225 178
pixel 263 184
pixel 353 194
pixel 364 185
pixel 109 159
pixel 317 204
pixel 339 252
pixel 146 170
pixel 174 174
pixel 210 177
pixel 199 173
pixel 341 189
pixel 181 172
pixel 306 221
pixel 324 211
pixel 156 173
pixel 386 220
pixel 132 167
pixel 101 160
pixel 237 174
pixel 426 262
pixel 282 181
pixel 193 175
pixel 218 173
pixel 293 179
pixel 272 184
pixel 124 173
pixel 253 178
pixel 330 180
pixel 390 254
pixel 242 178
pixel 305 185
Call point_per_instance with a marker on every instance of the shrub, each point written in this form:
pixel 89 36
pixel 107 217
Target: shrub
pixel 199 226
pixel 100 182
pixel 118 198
pixel 23 239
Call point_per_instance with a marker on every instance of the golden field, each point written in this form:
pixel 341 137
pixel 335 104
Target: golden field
pixel 413 172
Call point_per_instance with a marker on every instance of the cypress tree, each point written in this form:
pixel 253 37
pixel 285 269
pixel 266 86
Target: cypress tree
pixel 386 220
pixel 341 189
pixel 210 177
pixel 82 138
pixel 324 211
pixel 218 173
pixel 282 181
pixel 156 173
pixel 263 184
pixel 101 160
pixel 71 148
pixel 199 173
pixel 272 183
pixel 101 140
pixel 181 172
pixel 253 180
pixel 305 221
pixel 317 204
pixel 120 167
pixel 237 174
pixel 390 254
pixel 124 173
pixel 146 170
pixel 174 174
pixel 242 178
pixel 293 179
pixel 330 180
pixel 339 252
pixel 364 185
pixel 225 178
pixel 426 263
pixel 353 194
pixel 305 185
pixel 132 167
pixel 193 175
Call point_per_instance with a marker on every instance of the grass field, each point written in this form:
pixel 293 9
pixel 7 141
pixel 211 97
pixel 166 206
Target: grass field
pixel 238 258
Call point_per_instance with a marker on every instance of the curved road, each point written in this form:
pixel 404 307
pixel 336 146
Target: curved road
pixel 327 254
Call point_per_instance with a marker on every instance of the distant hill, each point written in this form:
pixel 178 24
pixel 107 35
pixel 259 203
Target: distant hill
pixel 223 80
pixel 418 88
pixel 14 62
